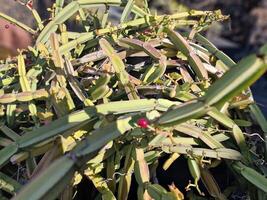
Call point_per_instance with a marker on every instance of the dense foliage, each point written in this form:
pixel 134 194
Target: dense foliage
pixel 108 102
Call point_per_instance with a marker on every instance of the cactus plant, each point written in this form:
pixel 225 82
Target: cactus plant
pixel 112 99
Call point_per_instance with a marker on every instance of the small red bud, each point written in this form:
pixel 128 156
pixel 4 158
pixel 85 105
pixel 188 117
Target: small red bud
pixel 6 26
pixel 143 122
pixel 30 4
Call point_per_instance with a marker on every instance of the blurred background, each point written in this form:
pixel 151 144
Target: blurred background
pixel 244 33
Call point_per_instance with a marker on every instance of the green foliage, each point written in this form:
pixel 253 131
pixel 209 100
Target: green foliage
pixel 70 105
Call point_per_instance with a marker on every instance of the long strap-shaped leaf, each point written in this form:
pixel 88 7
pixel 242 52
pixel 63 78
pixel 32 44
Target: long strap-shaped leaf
pixel 119 68
pixel 156 71
pixel 256 112
pixel 211 153
pixel 69 11
pixel 117 63
pixel 194 61
pixel 74 120
pixel 236 131
pixel 127 10
pixel 238 78
pixel 52 181
pixel 251 175
pixel 23 96
pixel 25 84
pixel 141 172
pixel 125 181
pixel 214 51
pixel 74 6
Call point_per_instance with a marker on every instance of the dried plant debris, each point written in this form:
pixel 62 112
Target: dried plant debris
pixel 107 102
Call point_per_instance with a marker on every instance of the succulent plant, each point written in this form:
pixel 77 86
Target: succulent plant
pixel 107 102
